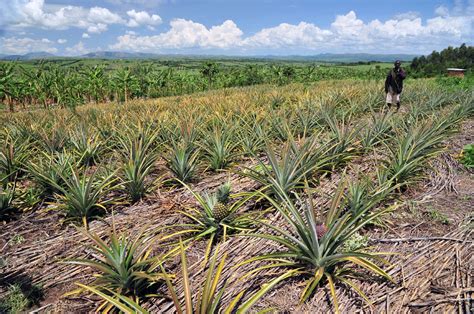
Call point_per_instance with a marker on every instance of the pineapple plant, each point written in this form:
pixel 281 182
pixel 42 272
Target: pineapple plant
pixel 215 220
pixel 7 195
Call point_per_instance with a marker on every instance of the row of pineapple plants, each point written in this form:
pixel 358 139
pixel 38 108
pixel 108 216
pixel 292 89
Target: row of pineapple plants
pixel 204 143
pixel 47 149
pixel 313 246
pixel 312 249
pixel 189 145
pixel 315 150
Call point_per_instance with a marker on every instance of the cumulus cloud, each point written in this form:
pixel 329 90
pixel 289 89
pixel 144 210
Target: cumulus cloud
pixel 184 34
pixel 98 28
pixel 62 41
pixel 147 3
pixel 77 49
pixel 410 15
pixel 85 35
pixel 14 45
pixel 142 18
pixel 33 13
pixel 442 11
pixel 302 34
pixel 407 33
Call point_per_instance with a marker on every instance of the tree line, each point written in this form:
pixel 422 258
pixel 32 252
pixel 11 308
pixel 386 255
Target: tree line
pixel 436 63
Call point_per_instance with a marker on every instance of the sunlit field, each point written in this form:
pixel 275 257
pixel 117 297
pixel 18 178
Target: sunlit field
pixel 231 200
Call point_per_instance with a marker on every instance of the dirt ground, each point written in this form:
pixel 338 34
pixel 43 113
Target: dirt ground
pixel 431 235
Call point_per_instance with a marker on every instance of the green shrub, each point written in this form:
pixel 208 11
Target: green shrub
pixel 467 158
pixel 14 301
pixel 20 297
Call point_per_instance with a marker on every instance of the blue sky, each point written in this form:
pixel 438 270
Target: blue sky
pixel 230 27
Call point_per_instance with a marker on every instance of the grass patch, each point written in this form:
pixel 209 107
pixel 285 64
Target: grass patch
pixel 19 298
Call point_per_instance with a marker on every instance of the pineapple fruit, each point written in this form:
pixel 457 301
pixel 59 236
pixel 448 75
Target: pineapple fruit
pixel 321 230
pixel 221 209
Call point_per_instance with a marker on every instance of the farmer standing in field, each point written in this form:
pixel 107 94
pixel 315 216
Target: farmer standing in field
pixel 394 84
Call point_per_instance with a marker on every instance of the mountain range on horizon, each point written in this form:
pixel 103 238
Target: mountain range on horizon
pixel 323 57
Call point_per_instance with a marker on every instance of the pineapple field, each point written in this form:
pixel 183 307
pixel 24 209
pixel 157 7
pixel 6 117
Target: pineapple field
pixel 306 197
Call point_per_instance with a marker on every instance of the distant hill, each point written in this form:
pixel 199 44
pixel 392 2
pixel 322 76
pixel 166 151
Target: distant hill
pixel 350 57
pixel 28 56
pixel 326 57
pixel 119 55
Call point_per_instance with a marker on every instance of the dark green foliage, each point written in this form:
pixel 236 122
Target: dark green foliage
pixel 437 62
pixel 7 195
pixel 468 156
pixel 50 171
pixel 68 83
pixel 19 298
pixel 82 196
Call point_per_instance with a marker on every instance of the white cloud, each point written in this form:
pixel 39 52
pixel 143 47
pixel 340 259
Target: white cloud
pixel 406 33
pixel 34 13
pixel 347 25
pixel 442 11
pixel 288 35
pixel 98 28
pixel 77 49
pixel 14 45
pixel 410 15
pixel 103 15
pixel 85 35
pixel 460 8
pixel 142 18
pixel 184 34
pixel 62 41
pixel 140 2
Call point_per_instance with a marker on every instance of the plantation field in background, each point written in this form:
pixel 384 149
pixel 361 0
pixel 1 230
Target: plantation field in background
pixel 71 82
